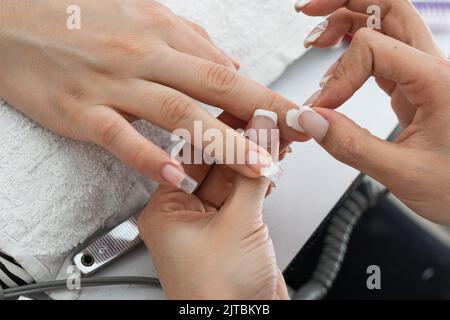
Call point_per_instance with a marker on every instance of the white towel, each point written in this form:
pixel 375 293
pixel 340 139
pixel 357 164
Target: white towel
pixel 55 193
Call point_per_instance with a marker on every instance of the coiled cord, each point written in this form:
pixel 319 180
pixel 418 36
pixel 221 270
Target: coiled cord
pixel 337 238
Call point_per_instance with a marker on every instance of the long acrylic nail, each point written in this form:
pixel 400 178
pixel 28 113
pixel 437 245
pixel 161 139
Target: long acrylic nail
pixel 315 34
pixel 263 165
pixel 313 99
pixel 175 176
pixel 267 120
pixel 328 75
pixel 300 4
pixel 313 123
pixel 264 119
pixel 323 82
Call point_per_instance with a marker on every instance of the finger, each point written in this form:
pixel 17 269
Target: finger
pixel 404 109
pixel 247 196
pixel 372 53
pixel 358 148
pixel 110 130
pixel 217 186
pixel 216 85
pixel 330 32
pixel 174 111
pixel 203 33
pixel 196 44
pixel 326 7
pixel 220 179
pixel 399 19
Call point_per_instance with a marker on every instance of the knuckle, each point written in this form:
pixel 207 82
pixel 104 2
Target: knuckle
pixel 218 78
pixel 221 59
pixel 160 15
pixel 107 132
pixel 129 44
pixel 272 101
pixel 138 155
pixel 199 29
pixel 176 109
pixel 347 149
pixel 363 35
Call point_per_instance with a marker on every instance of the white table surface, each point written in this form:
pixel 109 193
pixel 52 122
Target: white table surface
pixel 312 183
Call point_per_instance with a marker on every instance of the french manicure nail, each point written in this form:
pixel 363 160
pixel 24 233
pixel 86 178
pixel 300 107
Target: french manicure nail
pixel 263 165
pixel 300 4
pixel 323 82
pixel 266 114
pixel 313 99
pixel 175 176
pixel 315 34
pixel 292 120
pixel 313 123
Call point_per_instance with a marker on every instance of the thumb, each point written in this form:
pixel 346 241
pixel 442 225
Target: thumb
pixel 246 199
pixel 355 146
pixel 247 196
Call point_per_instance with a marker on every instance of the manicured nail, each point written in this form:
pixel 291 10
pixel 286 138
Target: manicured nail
pixel 263 165
pixel 313 99
pixel 323 82
pixel 300 4
pixel 294 116
pixel 262 113
pixel 313 123
pixel 268 121
pixel 315 34
pixel 329 74
pixel 292 120
pixel 234 60
pixel 175 176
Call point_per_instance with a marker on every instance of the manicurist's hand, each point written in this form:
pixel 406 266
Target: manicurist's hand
pixel 214 244
pixel 131 59
pixel 409 66
pixel 398 19
pixel 416 168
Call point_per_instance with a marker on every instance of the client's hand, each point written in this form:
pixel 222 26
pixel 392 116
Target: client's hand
pixel 130 59
pixel 203 249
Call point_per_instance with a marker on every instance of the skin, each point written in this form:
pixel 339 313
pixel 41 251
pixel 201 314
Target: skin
pixel 213 244
pixel 208 257
pixel 131 59
pixel 411 69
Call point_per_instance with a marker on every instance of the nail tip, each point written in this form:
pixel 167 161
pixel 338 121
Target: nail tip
pixel 273 173
pixel 188 185
pixel 266 113
pixel 292 120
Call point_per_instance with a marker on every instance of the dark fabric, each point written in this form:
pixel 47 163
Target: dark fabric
pixel 414 264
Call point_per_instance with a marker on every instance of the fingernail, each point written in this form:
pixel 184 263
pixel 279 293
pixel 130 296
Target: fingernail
pixel 178 178
pixel 268 121
pixel 323 82
pixel 315 34
pixel 261 114
pixel 292 120
pixel 313 99
pixel 329 74
pixel 233 59
pixel 263 165
pixel 313 123
pixel 300 4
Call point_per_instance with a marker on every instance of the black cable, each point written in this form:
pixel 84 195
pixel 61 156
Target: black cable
pixel 84 282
